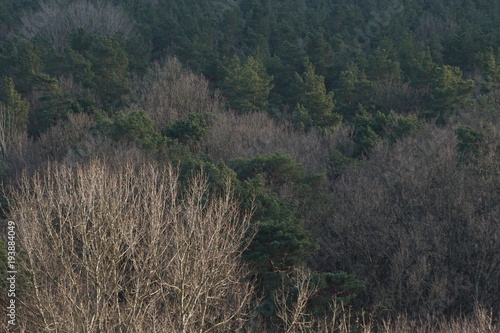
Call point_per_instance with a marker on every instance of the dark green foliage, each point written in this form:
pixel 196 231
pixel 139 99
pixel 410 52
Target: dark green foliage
pixel 24 66
pixel 461 48
pixel 54 105
pixel 190 165
pixel 315 108
pixel 448 91
pixel 321 53
pixel 17 108
pixel 98 64
pixel 138 50
pixel 331 292
pixel 136 128
pixel 416 61
pixel 352 45
pixel 282 176
pixel 370 129
pixel 490 67
pixel 281 241
pixel 469 141
pixel 79 67
pixel 11 12
pixel 338 163
pixel 278 169
pixel 398 126
pixel 338 286
pixel 382 65
pixel 354 89
pixel 190 131
pixel 365 126
pixel 101 65
pixel 247 85
pixel 109 64
pixel 21 61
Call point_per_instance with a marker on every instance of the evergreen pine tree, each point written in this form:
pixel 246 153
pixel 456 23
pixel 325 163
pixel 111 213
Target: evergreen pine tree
pixel 17 107
pixel 490 67
pixel 354 89
pixel 448 90
pixel 315 100
pixel 247 85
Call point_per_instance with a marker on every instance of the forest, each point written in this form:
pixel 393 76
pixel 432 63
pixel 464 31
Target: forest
pixel 250 166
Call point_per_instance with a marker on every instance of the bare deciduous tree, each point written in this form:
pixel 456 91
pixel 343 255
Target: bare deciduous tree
pixel 420 225
pixel 480 321
pixel 123 250
pixel 56 21
pixel 58 142
pixel 293 299
pixel 292 309
pixel 233 135
pixel 169 92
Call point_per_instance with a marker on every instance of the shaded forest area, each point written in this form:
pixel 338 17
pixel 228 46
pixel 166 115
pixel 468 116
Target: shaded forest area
pixel 252 165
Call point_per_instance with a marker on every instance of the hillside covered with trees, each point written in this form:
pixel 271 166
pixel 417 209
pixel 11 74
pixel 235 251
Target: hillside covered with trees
pixel 251 165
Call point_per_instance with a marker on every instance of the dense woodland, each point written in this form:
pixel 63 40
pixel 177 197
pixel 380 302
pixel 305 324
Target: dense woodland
pixel 252 165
